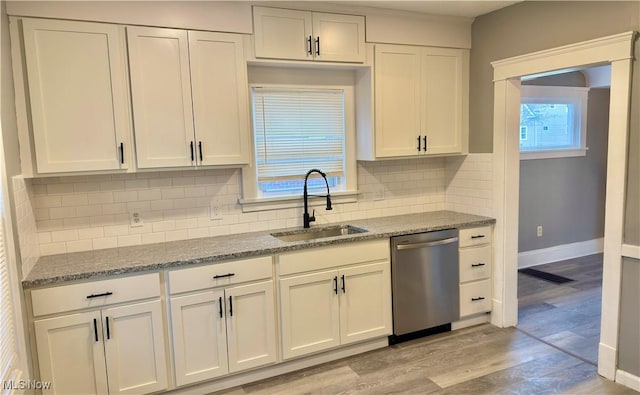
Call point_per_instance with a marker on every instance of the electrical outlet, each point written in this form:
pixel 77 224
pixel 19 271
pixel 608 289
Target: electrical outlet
pixel 539 231
pixel 215 212
pixel 136 219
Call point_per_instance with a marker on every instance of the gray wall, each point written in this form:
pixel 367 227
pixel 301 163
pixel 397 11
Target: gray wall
pixel 629 357
pixel 567 195
pixel 536 25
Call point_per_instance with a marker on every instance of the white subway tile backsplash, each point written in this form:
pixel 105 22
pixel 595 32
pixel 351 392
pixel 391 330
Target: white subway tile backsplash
pixel 92 212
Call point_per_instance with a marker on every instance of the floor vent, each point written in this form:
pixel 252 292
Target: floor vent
pixel 554 278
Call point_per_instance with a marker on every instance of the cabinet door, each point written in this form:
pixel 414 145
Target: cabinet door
pixel 397 100
pixel 71 354
pixel 282 34
pixel 161 97
pixel 338 38
pixel 442 103
pixel 78 94
pixel 220 101
pixel 309 313
pixel 365 302
pixel 251 327
pixel 135 348
pixel 199 336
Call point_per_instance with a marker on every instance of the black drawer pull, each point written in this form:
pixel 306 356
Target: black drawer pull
pixel 309 46
pixel 230 306
pixel 122 153
pixel 108 329
pixel 217 276
pixel 477 264
pixel 419 146
pixel 95 329
pixel 477 237
pixel 424 140
pixel 477 299
pixel 99 295
pixel 220 303
pixel 344 289
pixel 335 284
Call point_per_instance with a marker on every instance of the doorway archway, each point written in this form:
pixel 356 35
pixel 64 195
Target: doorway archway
pixel 617 51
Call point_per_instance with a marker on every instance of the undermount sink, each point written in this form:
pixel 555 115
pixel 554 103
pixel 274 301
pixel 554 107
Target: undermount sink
pixel 317 233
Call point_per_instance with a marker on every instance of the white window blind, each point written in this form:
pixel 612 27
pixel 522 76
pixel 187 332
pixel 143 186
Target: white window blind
pixel 8 354
pixel 298 129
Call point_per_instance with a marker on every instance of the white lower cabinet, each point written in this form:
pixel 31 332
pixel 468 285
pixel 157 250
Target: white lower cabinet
pixel 475 270
pixel 324 309
pixel 226 329
pixel 114 350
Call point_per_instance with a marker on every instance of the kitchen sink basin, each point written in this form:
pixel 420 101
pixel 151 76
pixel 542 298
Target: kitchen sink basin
pixel 317 233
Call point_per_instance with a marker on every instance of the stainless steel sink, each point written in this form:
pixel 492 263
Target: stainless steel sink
pixel 317 233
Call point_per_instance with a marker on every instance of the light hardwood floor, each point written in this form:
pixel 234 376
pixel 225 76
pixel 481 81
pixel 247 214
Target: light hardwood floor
pixel 478 360
pixel 564 315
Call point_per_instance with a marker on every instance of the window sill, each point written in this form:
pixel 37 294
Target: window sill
pixel 555 153
pixel 276 203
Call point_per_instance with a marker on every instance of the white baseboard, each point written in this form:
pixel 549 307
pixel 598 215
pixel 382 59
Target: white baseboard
pixel 607 358
pixel 630 251
pixel 628 380
pixel 560 253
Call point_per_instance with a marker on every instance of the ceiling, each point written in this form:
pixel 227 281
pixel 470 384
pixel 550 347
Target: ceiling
pixel 463 8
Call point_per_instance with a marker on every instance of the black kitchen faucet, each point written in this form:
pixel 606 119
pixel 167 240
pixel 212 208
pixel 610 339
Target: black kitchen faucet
pixel 306 219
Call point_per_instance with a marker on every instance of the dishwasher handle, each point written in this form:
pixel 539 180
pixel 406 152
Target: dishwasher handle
pixel 426 244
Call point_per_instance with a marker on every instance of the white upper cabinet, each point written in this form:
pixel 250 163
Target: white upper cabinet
pixel 78 94
pixel 420 102
pixel 220 98
pixel 161 96
pixel 303 35
pixel 169 67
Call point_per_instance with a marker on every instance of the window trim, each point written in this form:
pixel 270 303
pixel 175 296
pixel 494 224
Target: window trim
pixel 579 96
pixel 251 201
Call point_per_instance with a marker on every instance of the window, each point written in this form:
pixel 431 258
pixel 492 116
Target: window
pixel 552 121
pixel 523 133
pixel 296 129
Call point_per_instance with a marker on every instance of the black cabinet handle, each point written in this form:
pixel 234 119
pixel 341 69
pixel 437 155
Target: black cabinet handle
pixel 108 330
pixel 477 264
pixel 217 276
pixel 95 329
pixel 231 306
pixel 191 149
pixel 419 146
pixel 200 149
pixel 335 284
pixel 122 153
pixel 477 237
pixel 220 303
pixel 424 140
pixel 99 295
pixel 309 46
pixel 344 290
pixel 318 46
pixel 477 299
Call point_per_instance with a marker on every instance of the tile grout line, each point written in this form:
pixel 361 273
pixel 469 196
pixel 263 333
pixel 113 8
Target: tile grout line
pixel 557 348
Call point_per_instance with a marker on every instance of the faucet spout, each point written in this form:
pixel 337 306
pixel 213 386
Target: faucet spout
pixel 306 218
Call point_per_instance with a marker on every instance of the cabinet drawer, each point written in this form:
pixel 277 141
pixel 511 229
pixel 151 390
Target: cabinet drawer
pixel 202 277
pixel 105 292
pixel 475 263
pixel 475 297
pixel 475 236
pixel 333 256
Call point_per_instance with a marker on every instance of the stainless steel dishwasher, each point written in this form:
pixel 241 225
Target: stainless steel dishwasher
pixel 424 271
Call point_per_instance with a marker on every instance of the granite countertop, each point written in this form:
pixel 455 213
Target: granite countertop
pixel 56 269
